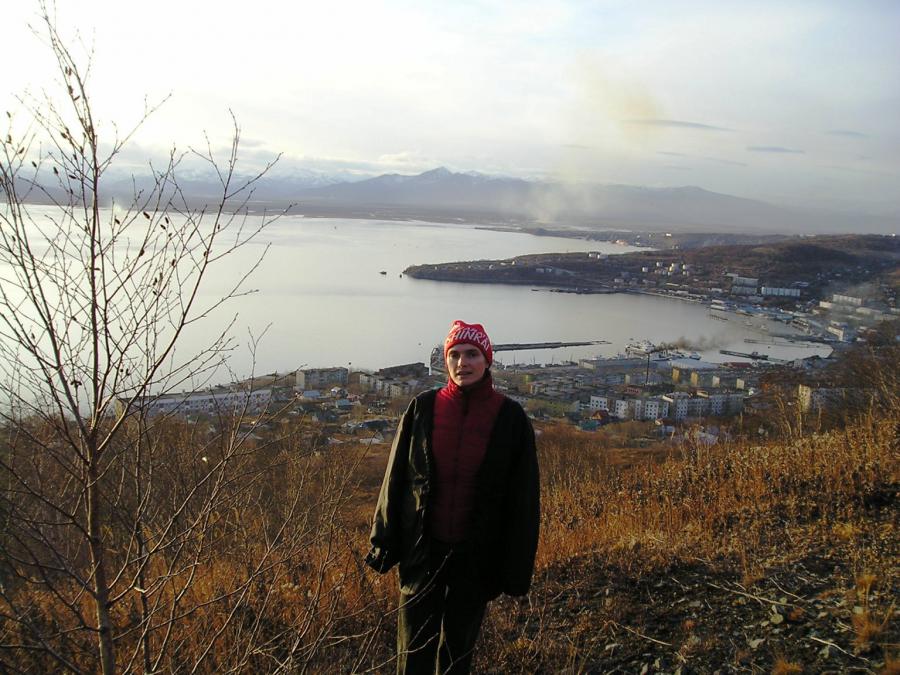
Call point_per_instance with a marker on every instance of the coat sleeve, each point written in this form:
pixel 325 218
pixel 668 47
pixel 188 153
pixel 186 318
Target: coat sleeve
pixel 386 525
pixel 523 511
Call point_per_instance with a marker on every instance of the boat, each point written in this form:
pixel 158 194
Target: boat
pixel 640 348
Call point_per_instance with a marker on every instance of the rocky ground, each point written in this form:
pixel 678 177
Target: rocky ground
pixel 820 600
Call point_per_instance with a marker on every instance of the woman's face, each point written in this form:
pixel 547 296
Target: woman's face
pixel 465 364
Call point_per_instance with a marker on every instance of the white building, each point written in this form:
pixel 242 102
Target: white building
pixel 622 408
pixel 648 409
pixel 222 401
pixel 847 300
pixel 678 404
pixel 698 407
pixel 599 402
pixel 321 378
pixel 774 291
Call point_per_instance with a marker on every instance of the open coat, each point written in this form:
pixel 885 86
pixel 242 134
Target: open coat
pixel 505 519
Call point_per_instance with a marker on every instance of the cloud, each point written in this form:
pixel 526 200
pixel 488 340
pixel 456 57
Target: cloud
pixel 405 158
pixel 252 142
pixel 334 164
pixel 677 124
pixel 729 162
pixel 848 133
pixel 859 170
pixel 404 161
pixel 774 148
pixel 717 160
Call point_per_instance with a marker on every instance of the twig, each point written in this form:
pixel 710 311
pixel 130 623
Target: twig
pixel 681 585
pixel 831 644
pixel 799 597
pixel 641 635
pixel 748 595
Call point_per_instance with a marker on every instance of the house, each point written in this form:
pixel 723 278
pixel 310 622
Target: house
pixel 343 405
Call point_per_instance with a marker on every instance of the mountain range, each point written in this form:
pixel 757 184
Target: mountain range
pixel 443 195
pixel 589 206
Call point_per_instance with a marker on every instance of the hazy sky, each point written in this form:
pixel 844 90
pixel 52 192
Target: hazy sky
pixel 794 102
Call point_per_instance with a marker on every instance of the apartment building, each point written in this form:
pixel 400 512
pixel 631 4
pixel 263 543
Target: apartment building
pixel 218 401
pixel 321 378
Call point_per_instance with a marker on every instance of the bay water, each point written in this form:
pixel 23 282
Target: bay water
pixel 330 292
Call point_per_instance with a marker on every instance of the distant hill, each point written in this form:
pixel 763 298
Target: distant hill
pixel 585 205
pixel 436 188
pixel 443 195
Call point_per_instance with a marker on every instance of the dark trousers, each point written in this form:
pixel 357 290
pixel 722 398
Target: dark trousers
pixel 437 628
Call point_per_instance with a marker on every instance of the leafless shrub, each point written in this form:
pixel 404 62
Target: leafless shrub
pixel 134 541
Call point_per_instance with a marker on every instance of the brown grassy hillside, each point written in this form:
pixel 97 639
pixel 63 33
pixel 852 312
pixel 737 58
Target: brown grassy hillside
pixel 745 557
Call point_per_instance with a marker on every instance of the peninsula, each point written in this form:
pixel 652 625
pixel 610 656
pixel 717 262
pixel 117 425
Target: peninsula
pixel 800 268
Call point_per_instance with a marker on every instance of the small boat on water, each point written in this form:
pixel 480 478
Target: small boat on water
pixel 640 348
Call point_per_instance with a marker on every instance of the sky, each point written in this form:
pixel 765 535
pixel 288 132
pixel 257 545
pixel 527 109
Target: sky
pixel 796 103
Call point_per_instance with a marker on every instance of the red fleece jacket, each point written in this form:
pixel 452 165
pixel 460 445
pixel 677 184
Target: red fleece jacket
pixel 463 420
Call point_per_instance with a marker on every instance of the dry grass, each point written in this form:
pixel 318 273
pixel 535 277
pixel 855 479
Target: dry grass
pixel 891 666
pixel 637 511
pixel 868 624
pixel 709 501
pixel 785 667
pixel 737 504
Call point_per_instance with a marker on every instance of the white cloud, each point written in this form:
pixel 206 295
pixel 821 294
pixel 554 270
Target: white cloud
pixel 528 88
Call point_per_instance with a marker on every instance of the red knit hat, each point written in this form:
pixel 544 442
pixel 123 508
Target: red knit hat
pixel 469 333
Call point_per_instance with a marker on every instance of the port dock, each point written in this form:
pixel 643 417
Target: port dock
pixel 517 346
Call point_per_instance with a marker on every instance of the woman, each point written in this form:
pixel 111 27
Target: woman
pixel 458 508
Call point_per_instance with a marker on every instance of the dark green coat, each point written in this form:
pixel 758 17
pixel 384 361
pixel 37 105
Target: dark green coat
pixel 506 514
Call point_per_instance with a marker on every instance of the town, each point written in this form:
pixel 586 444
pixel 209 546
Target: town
pixel 824 285
pixel 668 389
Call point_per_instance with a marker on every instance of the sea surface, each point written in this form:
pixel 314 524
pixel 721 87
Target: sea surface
pixel 331 292
pixel 322 300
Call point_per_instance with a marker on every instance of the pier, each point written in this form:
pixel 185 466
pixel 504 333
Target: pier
pixel 437 354
pixel 517 346
pixel 751 355
pixel 756 356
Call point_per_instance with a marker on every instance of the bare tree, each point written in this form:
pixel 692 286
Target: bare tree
pixel 121 527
